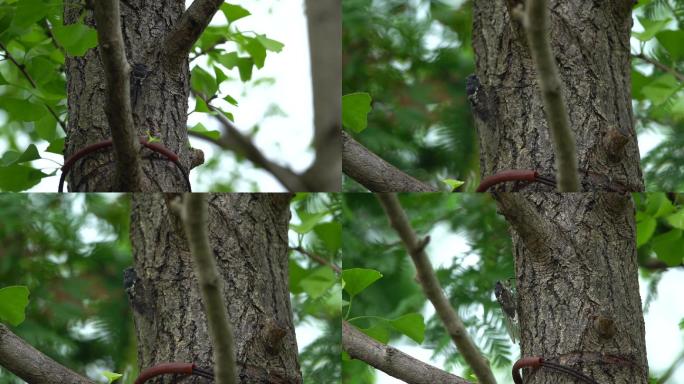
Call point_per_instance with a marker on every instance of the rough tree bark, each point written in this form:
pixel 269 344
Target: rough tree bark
pixel 576 274
pixel 161 108
pixel 248 233
pixel 590 41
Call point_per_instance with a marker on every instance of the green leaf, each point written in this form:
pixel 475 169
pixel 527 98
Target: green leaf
pixel 13 302
pixel 672 42
pixel 639 80
pixel 14 157
pixel 308 221
pixel 668 247
pixel 659 90
pixel 15 178
pixel 411 325
pixel 645 229
pixel 245 65
pixel 658 205
pixel 270 44
pixel 651 27
pixel 56 146
pixel 676 219
pixel 453 183
pixel 379 332
pixel 22 110
pixel 330 234
pixel 229 60
pixel 296 274
pixel 318 282
pixel 75 38
pixel 358 279
pixel 203 82
pixel 231 100
pixel 28 12
pixel 256 51
pixel 202 130
pixel 355 109
pixel 220 76
pixel 234 12
pixel 111 376
pixel 677 109
pixel 681 324
pixel 46 127
pixel 201 105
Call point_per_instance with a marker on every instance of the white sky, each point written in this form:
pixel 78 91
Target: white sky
pixel 284 139
pixel 664 339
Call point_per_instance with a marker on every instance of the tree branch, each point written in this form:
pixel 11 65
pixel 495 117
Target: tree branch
pixel 233 140
pixel 318 259
pixel 324 19
pixel 22 69
pixel 28 363
pixel 678 75
pixel 536 25
pixel 526 221
pixel 194 215
pixel 374 173
pixel 118 102
pixel 188 29
pixel 433 291
pixel 392 361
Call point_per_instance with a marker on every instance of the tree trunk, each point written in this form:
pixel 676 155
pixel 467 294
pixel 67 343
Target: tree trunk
pixel 590 40
pixel 160 111
pixel 248 233
pixel 578 291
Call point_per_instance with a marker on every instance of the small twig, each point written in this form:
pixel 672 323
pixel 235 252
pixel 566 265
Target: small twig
pixel 374 173
pixel 536 26
pixel 188 29
pixel 317 258
pixel 48 29
pixel 433 291
pixel 28 363
pixel 209 49
pixel 22 69
pixel 232 139
pixel 678 75
pixel 117 86
pixel 194 216
pixel 392 361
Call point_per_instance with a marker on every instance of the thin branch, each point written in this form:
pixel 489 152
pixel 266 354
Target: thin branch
pixel 391 360
pixel 678 75
pixel 232 139
pixel 118 102
pixel 49 32
pixel 188 29
pixel 324 20
pixel 28 363
pixel 22 69
pixel 318 259
pixel 526 221
pixel 194 215
pixel 208 49
pixel 433 291
pixel 536 26
pixel 374 173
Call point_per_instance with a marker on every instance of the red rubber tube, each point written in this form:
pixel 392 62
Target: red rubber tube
pixel 83 152
pixel 165 368
pixel 507 175
pixel 531 362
